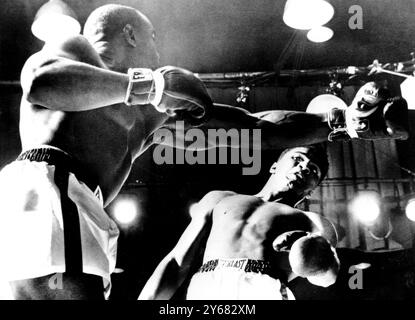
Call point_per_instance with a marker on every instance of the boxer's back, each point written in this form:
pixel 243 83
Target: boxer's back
pixel 245 227
pixel 105 141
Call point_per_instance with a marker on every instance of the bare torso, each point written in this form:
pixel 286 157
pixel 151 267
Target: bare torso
pixel 105 141
pixel 245 226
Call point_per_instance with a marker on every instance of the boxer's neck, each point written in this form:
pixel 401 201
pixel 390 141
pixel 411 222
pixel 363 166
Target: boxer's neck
pixel 113 55
pixel 106 52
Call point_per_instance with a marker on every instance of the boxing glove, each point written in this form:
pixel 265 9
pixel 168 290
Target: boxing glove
pixel 174 91
pixel 313 257
pixel 372 115
pixel 284 241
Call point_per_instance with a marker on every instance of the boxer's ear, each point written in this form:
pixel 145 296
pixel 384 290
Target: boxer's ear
pixel 273 168
pixel 129 36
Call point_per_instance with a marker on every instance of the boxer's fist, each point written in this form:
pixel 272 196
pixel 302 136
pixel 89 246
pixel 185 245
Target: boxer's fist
pixel 182 91
pixel 174 91
pixel 372 115
pixel 313 257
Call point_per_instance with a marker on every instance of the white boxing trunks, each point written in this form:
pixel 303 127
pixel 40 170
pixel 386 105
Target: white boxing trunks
pixel 236 279
pixel 51 222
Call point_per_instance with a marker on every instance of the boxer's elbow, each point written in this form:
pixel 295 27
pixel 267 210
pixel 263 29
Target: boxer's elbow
pixel 164 282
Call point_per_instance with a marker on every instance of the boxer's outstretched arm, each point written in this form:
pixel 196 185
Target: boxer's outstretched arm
pixel 279 129
pixel 70 76
pixel 283 129
pixel 173 270
pixel 369 117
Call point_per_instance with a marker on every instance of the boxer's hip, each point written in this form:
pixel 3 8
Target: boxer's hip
pixel 237 279
pixel 52 221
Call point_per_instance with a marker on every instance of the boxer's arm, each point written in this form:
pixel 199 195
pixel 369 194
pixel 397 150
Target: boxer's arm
pixel 279 129
pixel 323 226
pixel 286 129
pixel 70 76
pixel 175 267
pixel 304 223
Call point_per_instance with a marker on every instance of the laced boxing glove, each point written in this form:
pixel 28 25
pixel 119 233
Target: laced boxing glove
pixel 372 115
pixel 174 91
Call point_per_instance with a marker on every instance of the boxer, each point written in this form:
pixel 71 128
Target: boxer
pixel 90 106
pixel 253 245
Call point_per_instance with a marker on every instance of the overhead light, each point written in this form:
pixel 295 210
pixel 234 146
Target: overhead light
pixel 55 20
pixel 125 209
pixel 408 91
pixel 325 102
pixel 365 206
pixel 362 265
pixel 410 210
pixel 320 34
pixel 307 14
pixel 118 270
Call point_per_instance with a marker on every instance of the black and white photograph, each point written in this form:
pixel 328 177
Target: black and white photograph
pixel 219 151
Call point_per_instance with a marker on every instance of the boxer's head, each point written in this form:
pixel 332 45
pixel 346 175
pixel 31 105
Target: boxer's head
pixel 312 257
pixel 299 170
pixel 369 95
pixel 123 37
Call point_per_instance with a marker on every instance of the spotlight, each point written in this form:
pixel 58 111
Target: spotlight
pixel 363 265
pixel 54 20
pixel 365 207
pixel 125 209
pixel 118 270
pixel 324 103
pixel 410 210
pixel 408 92
pixel 307 14
pixel 320 34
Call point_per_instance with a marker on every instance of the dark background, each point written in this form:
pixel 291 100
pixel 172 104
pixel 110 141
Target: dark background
pixel 234 35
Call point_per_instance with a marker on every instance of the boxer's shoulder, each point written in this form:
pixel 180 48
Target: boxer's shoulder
pixel 281 209
pixel 212 198
pixel 72 47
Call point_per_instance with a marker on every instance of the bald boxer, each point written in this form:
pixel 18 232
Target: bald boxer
pixel 255 244
pixel 91 104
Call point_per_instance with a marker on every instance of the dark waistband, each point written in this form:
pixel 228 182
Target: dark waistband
pixel 61 159
pixel 244 264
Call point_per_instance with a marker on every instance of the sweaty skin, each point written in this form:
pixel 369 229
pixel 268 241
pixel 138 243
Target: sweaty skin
pixel 235 226
pixel 245 226
pixel 261 227
pixel 105 141
pixel 73 98
pixel 104 137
